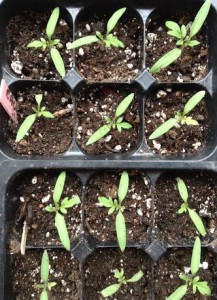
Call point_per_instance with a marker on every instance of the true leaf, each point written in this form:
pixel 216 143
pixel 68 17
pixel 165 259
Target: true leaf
pixel 45 266
pixel 50 209
pixel 195 258
pixel 162 129
pixel 179 293
pixel 44 295
pixel 175 34
pixel 166 60
pixel 184 277
pixel 125 125
pixel 193 101
pixel 71 202
pixel 203 288
pixel 35 44
pixel 184 31
pixel 63 210
pixel 111 210
pixel 38 99
pixel 51 284
pixel 62 231
pixel 182 189
pixel 136 277
pixel 112 22
pixel 193 43
pixel 173 26
pixel 123 186
pixel 197 222
pixel 83 41
pixel 110 290
pixel 180 43
pixel 25 127
pixel 189 121
pixel 58 62
pixel 101 132
pixel 51 25
pixel 121 230
pixel 200 18
pixel 125 103
pixel 105 202
pixel 47 114
pixel 59 186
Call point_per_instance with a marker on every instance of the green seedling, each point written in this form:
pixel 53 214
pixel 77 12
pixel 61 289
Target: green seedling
pixel 113 123
pixel 51 43
pixel 185 38
pixel 180 118
pixel 109 39
pixel 60 209
pixel 119 276
pixel 185 207
pixel 45 285
pixel 115 206
pixel 192 280
pixel 30 120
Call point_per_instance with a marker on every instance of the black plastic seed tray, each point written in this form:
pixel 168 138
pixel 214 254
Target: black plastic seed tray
pixel 141 158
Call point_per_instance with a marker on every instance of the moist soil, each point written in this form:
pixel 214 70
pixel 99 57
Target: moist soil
pixel 64 270
pixel 98 274
pixel 192 65
pixel 34 192
pixel 96 63
pixel 163 105
pixel 202 198
pixel 175 262
pixel 138 207
pixel 96 102
pixel 46 136
pixel 35 63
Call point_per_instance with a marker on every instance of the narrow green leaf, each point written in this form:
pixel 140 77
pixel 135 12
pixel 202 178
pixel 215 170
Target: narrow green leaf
pixel 197 222
pixel 71 202
pixel 121 230
pixel 200 18
pixel 125 125
pixel 58 62
pixel 51 25
pixel 44 295
pixel 203 288
pixel 62 231
pixel 112 22
pixel 182 188
pixel 100 133
pixel 45 266
pixel 105 202
pixel 166 60
pixel 123 186
pixel 162 129
pixel 123 106
pixel 83 41
pixel 173 26
pixel 47 114
pixel 193 101
pixel 179 293
pixel 183 31
pixel 25 127
pixel 110 290
pixel 195 258
pixel 35 44
pixel 59 186
pixel 136 277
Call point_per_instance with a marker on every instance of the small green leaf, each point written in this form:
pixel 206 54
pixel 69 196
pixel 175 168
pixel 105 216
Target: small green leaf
pixel 59 186
pixel 196 254
pixel 47 114
pixel 35 44
pixel 182 188
pixel 136 277
pixel 203 288
pixel 51 284
pixel 71 202
pixel 189 121
pixel 50 209
pixel 175 34
pixel 197 222
pixel 45 266
pixel 83 41
pixel 44 295
pixel 125 125
pixel 162 129
pixel 25 127
pixel 184 277
pixel 63 210
pixel 182 209
pixel 121 230
pixel 179 293
pixel 110 290
pixel 111 210
pixel 58 62
pixel 123 186
pixel 38 99
pixel 180 43
pixel 114 41
pixel 173 26
pixel 193 43
pixel 105 202
pixel 112 22
pixel 100 133
pixel 51 25
pixel 200 18
pixel 166 60
pixel 183 31
pixel 54 42
pixel 193 101
pixel 123 106
pixel 62 231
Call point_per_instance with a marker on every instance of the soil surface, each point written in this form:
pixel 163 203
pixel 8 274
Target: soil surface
pixel 64 270
pixel 34 192
pixel 35 63
pixel 98 274
pixel 138 207
pixel 96 63
pixel 202 189
pixel 46 136
pixel 163 105
pixel 192 65
pixel 96 102
pixel 175 262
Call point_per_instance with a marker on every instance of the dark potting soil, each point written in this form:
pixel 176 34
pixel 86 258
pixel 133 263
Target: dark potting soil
pixel 96 63
pixel 175 262
pixel 96 102
pixel 64 270
pixel 192 65
pixel 138 207
pixel 163 105
pixel 47 136
pixel 98 274
pixel 34 193
pixel 202 189
pixel 35 63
